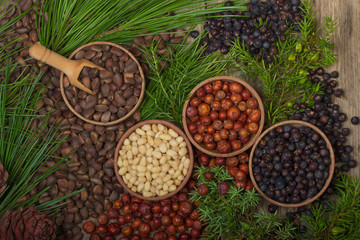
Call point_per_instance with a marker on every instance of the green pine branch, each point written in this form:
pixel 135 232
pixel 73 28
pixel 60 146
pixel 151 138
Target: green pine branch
pixel 23 150
pixel 65 25
pixel 340 219
pixel 170 86
pixel 234 215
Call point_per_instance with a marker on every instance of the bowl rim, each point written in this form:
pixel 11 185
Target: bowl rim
pixel 331 170
pixel 188 145
pixel 252 139
pixel 142 94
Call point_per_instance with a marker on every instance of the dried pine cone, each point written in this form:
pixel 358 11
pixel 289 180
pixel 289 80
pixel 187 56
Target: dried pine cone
pixel 3 177
pixel 26 225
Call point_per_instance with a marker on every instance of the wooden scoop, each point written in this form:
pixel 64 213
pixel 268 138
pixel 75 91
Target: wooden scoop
pixel 71 68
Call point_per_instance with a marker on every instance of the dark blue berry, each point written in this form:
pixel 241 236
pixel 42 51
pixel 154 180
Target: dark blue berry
pixel 194 34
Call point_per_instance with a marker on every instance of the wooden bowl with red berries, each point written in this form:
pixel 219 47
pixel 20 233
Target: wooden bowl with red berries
pixel 223 116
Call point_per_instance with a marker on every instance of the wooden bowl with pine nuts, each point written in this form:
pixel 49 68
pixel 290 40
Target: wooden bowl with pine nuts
pixel 153 160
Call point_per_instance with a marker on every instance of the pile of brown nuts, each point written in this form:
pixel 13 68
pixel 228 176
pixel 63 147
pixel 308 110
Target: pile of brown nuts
pixel 93 159
pixel 117 87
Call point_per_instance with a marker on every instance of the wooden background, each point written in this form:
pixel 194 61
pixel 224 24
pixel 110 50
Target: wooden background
pixel 347 47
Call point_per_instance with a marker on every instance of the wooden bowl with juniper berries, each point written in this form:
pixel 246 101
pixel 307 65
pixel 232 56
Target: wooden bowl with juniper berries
pixel 118 89
pixel 223 116
pixel 292 163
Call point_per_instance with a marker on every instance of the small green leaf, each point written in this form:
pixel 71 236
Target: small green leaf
pixel 292 57
pixel 312 56
pixel 337 230
pixel 304 73
pixel 315 57
pixel 245 225
pixel 303 81
pixel 298 47
pixel 228 209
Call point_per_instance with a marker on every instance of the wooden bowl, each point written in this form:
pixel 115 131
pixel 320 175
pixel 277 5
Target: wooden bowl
pixel 129 113
pixel 253 138
pixel 128 133
pixel 294 123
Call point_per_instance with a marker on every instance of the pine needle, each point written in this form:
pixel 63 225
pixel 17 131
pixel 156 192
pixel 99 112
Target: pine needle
pixel 339 219
pixel 169 87
pixel 64 25
pixel 24 150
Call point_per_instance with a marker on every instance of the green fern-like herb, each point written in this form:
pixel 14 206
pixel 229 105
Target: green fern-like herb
pixel 339 219
pixel 234 215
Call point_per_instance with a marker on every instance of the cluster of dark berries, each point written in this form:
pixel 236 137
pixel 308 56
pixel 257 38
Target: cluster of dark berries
pixel 327 116
pixel 291 164
pixel 259 27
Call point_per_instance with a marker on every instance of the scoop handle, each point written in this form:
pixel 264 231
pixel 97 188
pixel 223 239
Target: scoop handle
pixel 51 58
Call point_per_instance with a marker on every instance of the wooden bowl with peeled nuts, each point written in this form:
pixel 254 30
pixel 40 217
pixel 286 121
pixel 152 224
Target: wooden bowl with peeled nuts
pixel 117 90
pixel 153 160
pixel 292 163
pixel 223 116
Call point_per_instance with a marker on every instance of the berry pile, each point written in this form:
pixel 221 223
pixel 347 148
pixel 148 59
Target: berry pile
pixel 327 116
pixel 134 219
pixel 291 164
pixel 223 116
pixel 259 27
pixel 237 167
